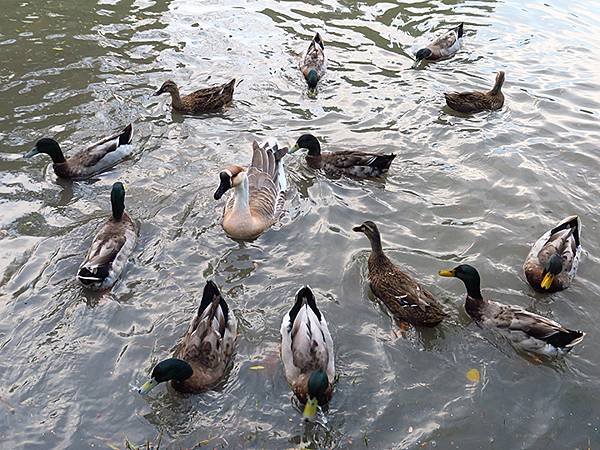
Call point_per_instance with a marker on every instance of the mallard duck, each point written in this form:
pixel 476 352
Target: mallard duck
pixel 307 353
pixel 91 161
pixel 258 193
pixel 443 47
pixel 348 162
pixel 553 260
pixel 205 353
pixel 313 62
pixel 201 101
pixel 111 246
pixel 406 299
pixel 525 330
pixel 476 101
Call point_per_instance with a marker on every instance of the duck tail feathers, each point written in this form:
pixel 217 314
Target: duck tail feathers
pixel 317 40
pixel 570 222
pixel 211 298
pixel 126 135
pixel 382 162
pixel 459 30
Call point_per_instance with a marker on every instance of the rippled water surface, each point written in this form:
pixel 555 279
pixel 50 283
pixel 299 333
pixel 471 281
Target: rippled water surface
pixel 474 189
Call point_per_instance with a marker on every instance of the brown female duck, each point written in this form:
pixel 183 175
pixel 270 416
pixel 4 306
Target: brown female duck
pixel 346 162
pixel 476 101
pixel 553 260
pixel 204 355
pixel 406 299
pixel 201 101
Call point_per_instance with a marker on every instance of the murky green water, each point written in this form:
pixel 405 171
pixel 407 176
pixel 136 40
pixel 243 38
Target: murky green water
pixel 476 189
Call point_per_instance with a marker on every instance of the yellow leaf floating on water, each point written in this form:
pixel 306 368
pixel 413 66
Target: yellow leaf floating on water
pixel 473 375
pixel 257 367
pixel 58 49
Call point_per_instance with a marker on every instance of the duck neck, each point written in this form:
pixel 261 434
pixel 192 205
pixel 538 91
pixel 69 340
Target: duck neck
pixel 241 198
pixel 497 87
pixel 473 289
pixel 176 98
pixel 376 244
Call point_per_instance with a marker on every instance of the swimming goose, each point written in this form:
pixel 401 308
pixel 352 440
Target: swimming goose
pixel 111 247
pixel 258 193
pixel 346 162
pixel 307 353
pixel 201 101
pixel 405 298
pixel 553 260
pixel 91 161
pixel 204 356
pixel 313 62
pixel 443 47
pixel 525 330
pixel 477 101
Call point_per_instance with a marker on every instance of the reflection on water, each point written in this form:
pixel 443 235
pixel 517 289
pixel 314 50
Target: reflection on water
pixel 476 189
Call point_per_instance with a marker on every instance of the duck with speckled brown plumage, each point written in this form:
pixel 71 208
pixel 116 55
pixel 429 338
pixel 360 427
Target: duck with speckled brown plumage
pixel 478 101
pixel 205 100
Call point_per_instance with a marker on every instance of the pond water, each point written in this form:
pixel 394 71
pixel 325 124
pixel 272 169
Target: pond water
pixel 476 189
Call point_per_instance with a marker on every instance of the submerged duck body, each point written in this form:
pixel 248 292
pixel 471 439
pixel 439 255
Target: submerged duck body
pixel 204 356
pixel 349 162
pixel 526 331
pixel 477 101
pixel 111 247
pixel 91 161
pixel 553 260
pixel 205 100
pixel 258 193
pixel 443 47
pixel 405 298
pixel 313 62
pixel 307 353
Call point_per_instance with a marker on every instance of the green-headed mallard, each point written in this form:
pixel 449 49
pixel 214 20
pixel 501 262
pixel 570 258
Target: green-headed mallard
pixel 91 161
pixel 443 47
pixel 406 299
pixel 553 260
pixel 476 101
pixel 525 330
pixel 204 356
pixel 347 162
pixel 313 62
pixel 201 101
pixel 258 193
pixel 307 353
pixel 111 247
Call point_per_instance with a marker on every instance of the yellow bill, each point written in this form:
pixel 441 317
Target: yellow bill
pixel 447 273
pixel 148 386
pixel 310 409
pixel 295 148
pixel 547 281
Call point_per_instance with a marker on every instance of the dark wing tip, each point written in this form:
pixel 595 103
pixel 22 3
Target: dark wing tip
pixel 306 294
pixel 126 135
pixel 210 292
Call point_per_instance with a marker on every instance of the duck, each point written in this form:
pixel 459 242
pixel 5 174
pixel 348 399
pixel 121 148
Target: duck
pixel 313 62
pixel 96 158
pixel 201 101
pixel 405 298
pixel 258 193
pixel 527 331
pixel 347 162
pixel 477 101
pixel 205 354
pixel 111 247
pixel 307 353
pixel 443 47
pixel 553 260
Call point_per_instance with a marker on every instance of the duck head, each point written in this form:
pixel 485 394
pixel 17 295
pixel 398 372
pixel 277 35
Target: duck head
pixel 469 276
pixel 230 177
pixel 168 86
pixel 49 147
pixel 318 384
pixel 171 369
pixel 309 142
pixel 553 267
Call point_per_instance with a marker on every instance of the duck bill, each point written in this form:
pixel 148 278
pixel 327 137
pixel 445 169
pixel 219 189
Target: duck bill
pixel 547 281
pixel 34 151
pixel 148 386
pixel 157 93
pixel 295 148
pixel 447 273
pixel 358 229
pixel 223 187
pixel 310 409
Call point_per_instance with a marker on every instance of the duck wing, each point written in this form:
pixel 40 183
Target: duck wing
pixel 211 336
pixel 266 180
pixel 104 151
pixel 210 98
pixel 306 342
